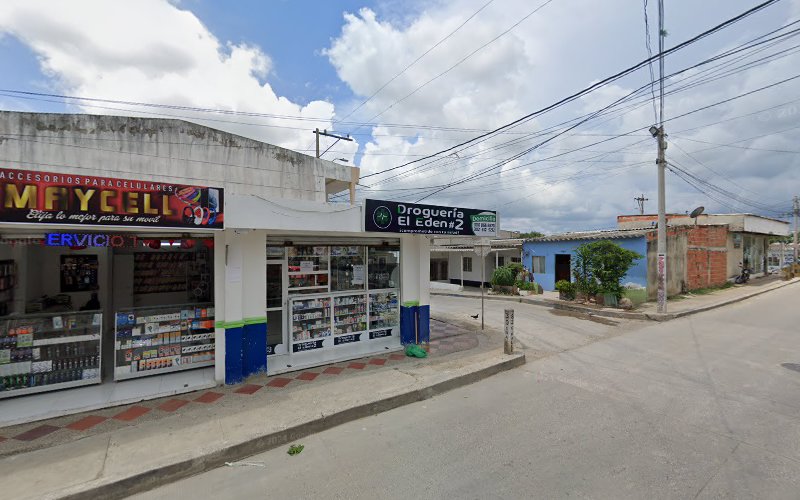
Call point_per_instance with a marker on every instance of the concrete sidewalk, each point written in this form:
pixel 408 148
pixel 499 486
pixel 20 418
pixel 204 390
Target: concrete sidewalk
pixel 119 451
pixel 677 307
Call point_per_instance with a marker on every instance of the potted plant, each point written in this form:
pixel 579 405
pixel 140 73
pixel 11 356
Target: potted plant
pixel 566 290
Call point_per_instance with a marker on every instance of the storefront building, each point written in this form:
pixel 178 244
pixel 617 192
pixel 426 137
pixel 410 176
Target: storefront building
pixel 144 257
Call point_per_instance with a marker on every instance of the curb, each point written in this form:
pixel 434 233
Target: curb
pixel 622 314
pixel 151 479
pixel 670 316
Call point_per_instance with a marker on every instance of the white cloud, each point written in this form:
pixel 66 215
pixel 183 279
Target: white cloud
pixel 563 48
pixel 153 51
pixel 156 51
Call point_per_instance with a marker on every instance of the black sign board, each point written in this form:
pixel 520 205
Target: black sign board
pixel 307 346
pixel 346 339
pixel 380 334
pixel 396 217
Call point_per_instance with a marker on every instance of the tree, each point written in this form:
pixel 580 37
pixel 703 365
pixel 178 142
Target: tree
pixel 600 266
pixel 531 235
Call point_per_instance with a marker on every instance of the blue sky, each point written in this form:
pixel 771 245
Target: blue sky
pixel 302 65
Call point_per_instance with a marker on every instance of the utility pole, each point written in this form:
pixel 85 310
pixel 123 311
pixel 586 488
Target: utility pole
pixel 796 210
pixel 338 138
pixel 640 200
pixel 661 261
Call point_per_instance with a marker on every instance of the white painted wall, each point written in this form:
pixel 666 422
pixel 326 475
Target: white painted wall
pixel 164 150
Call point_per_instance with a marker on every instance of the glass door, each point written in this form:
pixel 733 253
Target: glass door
pixel 276 301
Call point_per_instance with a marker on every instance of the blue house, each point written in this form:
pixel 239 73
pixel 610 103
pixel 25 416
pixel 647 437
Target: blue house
pixel 550 257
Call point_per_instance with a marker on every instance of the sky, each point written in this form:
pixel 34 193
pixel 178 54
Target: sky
pixel 410 79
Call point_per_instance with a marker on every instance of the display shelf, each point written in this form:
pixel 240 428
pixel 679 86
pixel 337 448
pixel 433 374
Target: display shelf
pixel 350 314
pixel 162 371
pixel 65 340
pixel 384 308
pixel 33 359
pixel 152 340
pixel 311 319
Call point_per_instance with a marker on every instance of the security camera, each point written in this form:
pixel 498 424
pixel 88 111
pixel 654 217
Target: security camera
pixel 654 131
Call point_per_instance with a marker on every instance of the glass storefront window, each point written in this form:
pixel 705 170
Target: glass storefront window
pixel 384 267
pixel 348 269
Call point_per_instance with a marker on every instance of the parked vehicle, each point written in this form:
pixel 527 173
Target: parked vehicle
pixel 744 277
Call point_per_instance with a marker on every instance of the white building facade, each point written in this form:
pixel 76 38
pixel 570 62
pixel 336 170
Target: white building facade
pixel 146 257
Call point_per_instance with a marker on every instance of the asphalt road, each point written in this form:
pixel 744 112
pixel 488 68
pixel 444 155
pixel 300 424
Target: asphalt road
pixel 694 408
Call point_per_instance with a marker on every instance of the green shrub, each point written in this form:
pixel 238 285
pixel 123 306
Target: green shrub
pixel 503 276
pixel 526 285
pixel 599 267
pixel 567 289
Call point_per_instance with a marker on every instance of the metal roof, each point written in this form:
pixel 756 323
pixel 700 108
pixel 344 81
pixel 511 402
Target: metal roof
pixel 601 234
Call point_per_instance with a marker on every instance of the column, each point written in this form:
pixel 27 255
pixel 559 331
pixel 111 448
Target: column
pixel 254 302
pixel 415 289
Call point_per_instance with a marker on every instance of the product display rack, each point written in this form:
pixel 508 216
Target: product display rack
pixel 8 280
pixel 47 352
pixel 349 314
pixel 311 319
pixel 384 311
pixel 156 340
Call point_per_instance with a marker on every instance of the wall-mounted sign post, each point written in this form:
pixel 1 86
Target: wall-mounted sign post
pixel 483 250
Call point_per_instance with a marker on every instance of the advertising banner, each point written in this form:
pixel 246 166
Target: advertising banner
pixel 50 198
pixel 398 217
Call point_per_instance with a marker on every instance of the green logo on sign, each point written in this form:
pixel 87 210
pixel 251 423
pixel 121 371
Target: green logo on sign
pixel 382 217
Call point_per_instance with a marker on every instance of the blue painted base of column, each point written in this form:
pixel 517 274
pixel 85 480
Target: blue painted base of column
pixel 424 324
pixel 408 324
pixel 254 352
pixel 234 343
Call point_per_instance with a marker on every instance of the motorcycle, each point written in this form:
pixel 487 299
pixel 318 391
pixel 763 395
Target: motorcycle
pixel 744 277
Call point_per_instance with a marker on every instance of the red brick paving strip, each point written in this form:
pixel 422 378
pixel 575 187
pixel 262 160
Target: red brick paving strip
pixel 36 433
pixel 248 389
pixel 397 357
pixel 377 361
pixel 309 376
pixel 279 382
pixel 132 413
pixel 357 366
pixel 86 423
pixel 333 370
pixel 172 404
pixel 208 397
pixel 2 439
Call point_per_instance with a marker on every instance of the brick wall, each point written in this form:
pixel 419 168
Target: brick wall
pixel 706 256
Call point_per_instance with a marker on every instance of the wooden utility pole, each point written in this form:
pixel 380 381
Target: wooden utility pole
pixel 338 138
pixel 640 200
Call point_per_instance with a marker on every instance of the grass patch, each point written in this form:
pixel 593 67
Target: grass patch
pixel 710 289
pixel 637 296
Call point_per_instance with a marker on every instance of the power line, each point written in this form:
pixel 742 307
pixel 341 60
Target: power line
pixel 415 61
pixel 592 87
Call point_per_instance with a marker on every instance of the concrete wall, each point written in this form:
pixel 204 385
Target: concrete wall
pixel 676 263
pixel 735 222
pixel 637 274
pixel 165 150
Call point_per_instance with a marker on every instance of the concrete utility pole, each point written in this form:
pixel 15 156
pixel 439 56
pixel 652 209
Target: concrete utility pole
pixel 658 133
pixel 640 200
pixel 796 211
